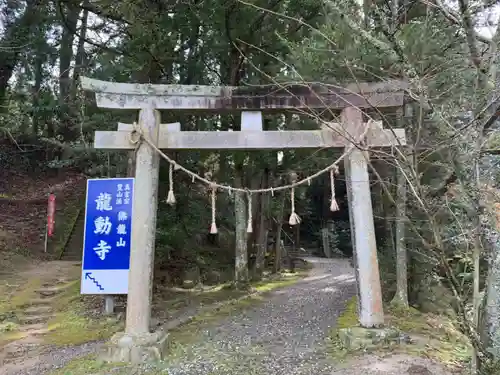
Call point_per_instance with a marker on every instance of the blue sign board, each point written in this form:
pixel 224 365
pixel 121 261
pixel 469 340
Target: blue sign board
pixel 107 236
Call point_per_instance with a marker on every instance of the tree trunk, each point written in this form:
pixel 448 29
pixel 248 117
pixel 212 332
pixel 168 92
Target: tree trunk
pixel 325 242
pixel 36 93
pixel 66 117
pixel 388 210
pixel 490 316
pixel 295 247
pixel 325 217
pixel 18 33
pixel 80 58
pixel 366 13
pixel 262 227
pixel 241 253
pixel 401 297
pixel 277 237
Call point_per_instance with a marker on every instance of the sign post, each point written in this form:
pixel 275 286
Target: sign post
pixel 106 243
pixel 51 210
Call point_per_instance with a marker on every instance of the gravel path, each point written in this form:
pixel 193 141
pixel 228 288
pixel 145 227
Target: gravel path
pixel 283 336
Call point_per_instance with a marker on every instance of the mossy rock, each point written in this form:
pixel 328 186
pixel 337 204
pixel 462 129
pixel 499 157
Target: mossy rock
pixel 188 284
pixel 356 338
pixel 191 278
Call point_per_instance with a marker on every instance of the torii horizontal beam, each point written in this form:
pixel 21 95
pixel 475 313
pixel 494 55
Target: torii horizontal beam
pixel 252 137
pixel 227 98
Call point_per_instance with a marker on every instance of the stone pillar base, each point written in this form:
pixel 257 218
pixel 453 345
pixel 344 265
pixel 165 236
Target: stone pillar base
pixel 356 338
pixel 135 349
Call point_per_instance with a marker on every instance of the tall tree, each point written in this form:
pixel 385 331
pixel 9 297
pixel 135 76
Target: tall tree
pixel 16 37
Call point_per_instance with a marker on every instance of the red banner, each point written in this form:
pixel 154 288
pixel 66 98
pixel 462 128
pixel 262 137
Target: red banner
pixel 51 210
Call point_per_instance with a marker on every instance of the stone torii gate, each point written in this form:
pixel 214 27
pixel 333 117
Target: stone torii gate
pixel 137 343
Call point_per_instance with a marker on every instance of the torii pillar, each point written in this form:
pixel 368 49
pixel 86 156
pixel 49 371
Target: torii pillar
pixel 370 309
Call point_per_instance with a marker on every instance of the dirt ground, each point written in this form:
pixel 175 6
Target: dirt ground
pixel 23 215
pixel 392 364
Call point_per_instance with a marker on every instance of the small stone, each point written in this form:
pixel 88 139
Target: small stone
pixel 125 342
pixel 188 284
pixel 418 370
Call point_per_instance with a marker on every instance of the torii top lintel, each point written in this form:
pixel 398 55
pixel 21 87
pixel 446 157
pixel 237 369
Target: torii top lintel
pixel 226 98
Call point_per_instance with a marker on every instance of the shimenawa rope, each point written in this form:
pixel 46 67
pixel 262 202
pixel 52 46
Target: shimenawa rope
pixel 136 136
pixel 195 176
pixel 213 226
pixel 170 195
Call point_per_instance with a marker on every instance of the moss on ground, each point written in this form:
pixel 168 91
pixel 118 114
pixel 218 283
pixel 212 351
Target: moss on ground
pixel 15 296
pixel 434 336
pixel 8 327
pixel 71 326
pixel 349 318
pixel 91 365
pixel 8 337
pixel 285 280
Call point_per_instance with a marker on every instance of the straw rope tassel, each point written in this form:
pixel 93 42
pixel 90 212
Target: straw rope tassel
pixel 294 218
pixel 213 227
pixel 333 205
pixel 249 225
pixel 170 195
